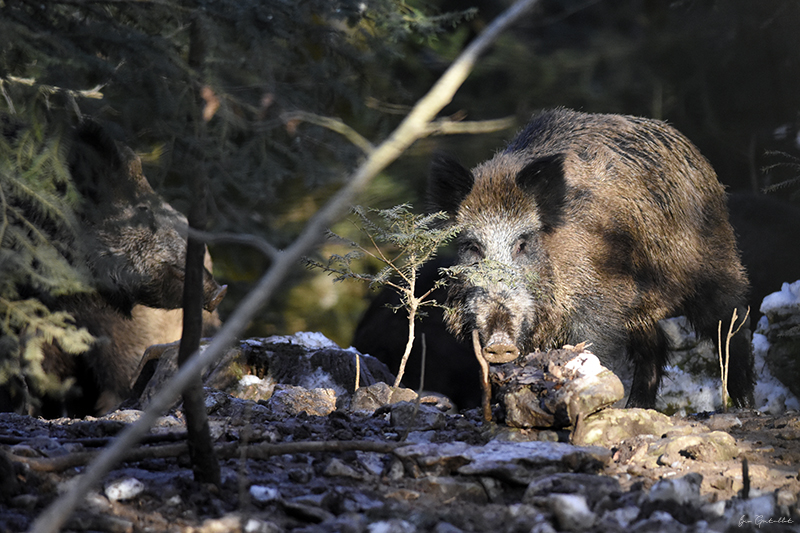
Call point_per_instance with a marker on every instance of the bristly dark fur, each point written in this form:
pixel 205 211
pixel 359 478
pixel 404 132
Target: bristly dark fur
pixel 612 223
pixel 133 244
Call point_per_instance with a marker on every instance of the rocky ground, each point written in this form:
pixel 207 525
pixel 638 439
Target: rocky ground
pixel 377 463
pixel 453 472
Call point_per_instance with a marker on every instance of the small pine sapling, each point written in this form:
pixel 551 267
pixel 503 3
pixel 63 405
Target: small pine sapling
pixel 412 241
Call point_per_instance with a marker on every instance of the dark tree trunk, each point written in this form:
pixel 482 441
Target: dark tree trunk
pixel 201 450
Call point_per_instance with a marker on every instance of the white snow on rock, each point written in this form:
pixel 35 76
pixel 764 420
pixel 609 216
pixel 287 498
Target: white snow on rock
pixel 786 298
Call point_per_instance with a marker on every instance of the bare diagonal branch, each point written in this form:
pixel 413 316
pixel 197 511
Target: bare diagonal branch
pixel 412 128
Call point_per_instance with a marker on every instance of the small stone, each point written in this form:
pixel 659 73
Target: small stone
pixel 24 501
pixel 571 511
pixel 300 475
pixel 456 489
pixel 336 468
pixel 367 400
pixel 420 418
pixel 124 489
pixel 255 525
pixel 657 522
pixel 395 525
pixel 683 491
pixel 289 400
pixel 371 461
pixel 446 527
pixel 262 493
pixel 619 518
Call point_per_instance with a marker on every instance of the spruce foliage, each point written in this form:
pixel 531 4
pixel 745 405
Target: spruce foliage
pixel 128 65
pixel 402 242
pixel 37 254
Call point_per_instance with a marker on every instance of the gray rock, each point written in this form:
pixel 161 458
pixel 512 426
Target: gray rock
pixel 446 527
pixel 123 489
pixel 554 388
pixel 420 417
pixel 368 399
pixel 336 468
pixel 454 488
pixel 658 522
pixel 592 487
pixel 782 329
pixel 392 526
pixel 515 462
pixel 572 512
pixel 307 360
pixel 619 518
pixel 612 426
pixel 683 491
pixel 262 493
pixel 288 400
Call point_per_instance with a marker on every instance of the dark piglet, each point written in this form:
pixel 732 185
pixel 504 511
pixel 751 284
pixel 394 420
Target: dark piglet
pixel 133 245
pixel 450 366
pixel 593 228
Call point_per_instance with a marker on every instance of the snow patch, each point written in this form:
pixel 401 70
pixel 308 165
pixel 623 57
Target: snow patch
pixel 788 296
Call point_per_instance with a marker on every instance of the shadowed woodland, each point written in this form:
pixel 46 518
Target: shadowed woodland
pixel 247 117
pixel 724 73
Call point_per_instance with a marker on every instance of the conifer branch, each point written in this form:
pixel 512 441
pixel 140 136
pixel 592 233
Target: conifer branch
pixel 52 519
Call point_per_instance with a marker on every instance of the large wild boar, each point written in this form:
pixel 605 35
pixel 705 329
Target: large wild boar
pixel 134 247
pixel 593 228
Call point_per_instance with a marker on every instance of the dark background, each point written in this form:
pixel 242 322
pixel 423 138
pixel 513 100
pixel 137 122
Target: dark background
pixel 725 73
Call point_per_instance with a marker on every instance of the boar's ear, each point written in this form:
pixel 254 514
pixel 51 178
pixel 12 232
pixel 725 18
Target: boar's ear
pixel 448 185
pixel 543 179
pixel 94 158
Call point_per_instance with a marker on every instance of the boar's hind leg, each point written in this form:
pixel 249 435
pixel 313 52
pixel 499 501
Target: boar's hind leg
pixel 648 353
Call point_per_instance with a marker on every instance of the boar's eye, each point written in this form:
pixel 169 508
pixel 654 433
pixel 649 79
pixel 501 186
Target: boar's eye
pixel 143 215
pixel 470 251
pixel 524 247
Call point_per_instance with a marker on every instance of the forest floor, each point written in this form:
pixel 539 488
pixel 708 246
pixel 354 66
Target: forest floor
pixel 273 480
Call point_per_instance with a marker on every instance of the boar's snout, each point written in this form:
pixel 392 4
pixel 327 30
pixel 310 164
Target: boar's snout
pixel 212 292
pixel 500 349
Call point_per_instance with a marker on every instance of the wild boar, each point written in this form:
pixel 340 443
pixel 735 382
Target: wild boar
pixel 592 227
pixel 133 245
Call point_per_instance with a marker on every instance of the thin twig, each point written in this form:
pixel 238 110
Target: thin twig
pixel 450 127
pixel 254 241
pixel 486 387
pixel 724 366
pixel 225 451
pixel 333 124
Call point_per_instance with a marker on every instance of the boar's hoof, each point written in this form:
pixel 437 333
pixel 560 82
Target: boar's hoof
pixel 214 301
pixel 500 353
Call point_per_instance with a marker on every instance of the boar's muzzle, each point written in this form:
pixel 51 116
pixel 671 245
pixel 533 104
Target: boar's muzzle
pixel 500 349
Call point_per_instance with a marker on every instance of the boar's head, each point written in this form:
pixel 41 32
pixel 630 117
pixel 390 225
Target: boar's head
pixel 134 242
pixel 502 286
